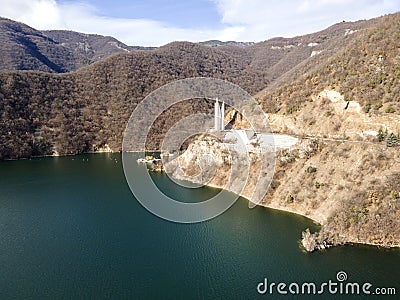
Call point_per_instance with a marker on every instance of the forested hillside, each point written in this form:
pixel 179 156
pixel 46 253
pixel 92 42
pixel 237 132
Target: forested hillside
pixel 43 113
pixel 82 111
pixel 55 51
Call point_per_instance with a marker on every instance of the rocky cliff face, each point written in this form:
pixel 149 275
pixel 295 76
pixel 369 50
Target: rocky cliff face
pixel 329 114
pixel 208 161
pixel 351 188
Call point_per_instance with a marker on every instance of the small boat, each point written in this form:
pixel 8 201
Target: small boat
pixel 141 161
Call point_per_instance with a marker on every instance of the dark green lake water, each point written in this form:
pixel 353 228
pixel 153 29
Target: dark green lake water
pixel 71 229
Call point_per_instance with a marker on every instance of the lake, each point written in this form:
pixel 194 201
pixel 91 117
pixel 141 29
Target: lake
pixel 70 229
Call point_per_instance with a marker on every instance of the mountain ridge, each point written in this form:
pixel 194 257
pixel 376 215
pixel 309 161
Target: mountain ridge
pixel 53 51
pixel 43 112
pixel 60 51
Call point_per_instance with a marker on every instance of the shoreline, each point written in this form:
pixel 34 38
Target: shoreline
pixel 309 217
pixel 208 185
pixel 274 207
pixel 349 243
pixel 317 222
pixel 76 154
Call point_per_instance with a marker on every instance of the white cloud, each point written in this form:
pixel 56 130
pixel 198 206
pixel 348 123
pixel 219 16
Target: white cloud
pixel 40 13
pixel 48 14
pixel 245 20
pixel 266 19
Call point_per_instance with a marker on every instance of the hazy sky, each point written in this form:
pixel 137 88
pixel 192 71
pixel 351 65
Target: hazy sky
pixel 157 22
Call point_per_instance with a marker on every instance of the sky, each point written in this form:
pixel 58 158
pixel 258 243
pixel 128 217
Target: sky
pixel 158 22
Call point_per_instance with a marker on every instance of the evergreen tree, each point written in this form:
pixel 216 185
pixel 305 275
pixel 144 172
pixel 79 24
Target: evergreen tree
pixel 392 140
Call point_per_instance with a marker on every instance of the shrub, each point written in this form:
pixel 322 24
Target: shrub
pixel 390 110
pixel 311 169
pixel 289 198
pixel 395 195
pixel 377 106
pixel 382 135
pixel 291 109
pixel 367 107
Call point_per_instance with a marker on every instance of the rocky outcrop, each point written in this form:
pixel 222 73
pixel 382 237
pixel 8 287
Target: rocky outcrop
pixel 308 241
pixel 312 241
